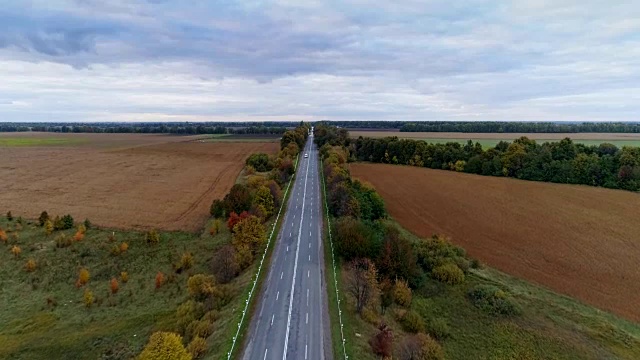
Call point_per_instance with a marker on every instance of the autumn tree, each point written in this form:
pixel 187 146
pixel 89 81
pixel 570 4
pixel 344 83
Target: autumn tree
pixel 224 264
pixel 238 199
pixel 3 236
pixel 382 342
pixel 197 347
pixel 124 276
pixel 124 247
pixel 361 282
pixel 81 228
pixel 186 262
pixel 79 236
pixel 419 347
pixel 264 198
pixel 114 286
pixel 249 236
pixel 164 346
pixel 235 218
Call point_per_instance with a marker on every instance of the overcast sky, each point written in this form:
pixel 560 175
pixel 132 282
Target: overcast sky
pixel 171 60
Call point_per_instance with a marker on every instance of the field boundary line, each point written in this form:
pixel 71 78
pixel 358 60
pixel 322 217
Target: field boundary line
pixel 333 260
pixel 266 250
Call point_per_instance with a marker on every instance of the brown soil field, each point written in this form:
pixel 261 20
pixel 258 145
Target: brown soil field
pixel 134 181
pixel 491 136
pixel 576 240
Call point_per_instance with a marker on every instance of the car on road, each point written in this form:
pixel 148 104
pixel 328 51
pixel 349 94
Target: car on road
pixel 306 156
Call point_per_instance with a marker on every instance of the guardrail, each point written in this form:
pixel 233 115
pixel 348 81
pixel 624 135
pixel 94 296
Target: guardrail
pixel 264 255
pixel 333 261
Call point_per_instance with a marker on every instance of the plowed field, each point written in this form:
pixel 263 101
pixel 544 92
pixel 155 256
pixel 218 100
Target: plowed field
pixel 122 180
pixel 576 240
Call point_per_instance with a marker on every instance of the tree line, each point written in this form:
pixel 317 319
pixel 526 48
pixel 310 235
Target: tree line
pixel 520 127
pixel 151 128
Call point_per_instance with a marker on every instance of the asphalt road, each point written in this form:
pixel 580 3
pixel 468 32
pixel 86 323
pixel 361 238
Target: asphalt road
pixel 291 320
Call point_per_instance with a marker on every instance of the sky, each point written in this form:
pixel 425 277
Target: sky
pixel 171 60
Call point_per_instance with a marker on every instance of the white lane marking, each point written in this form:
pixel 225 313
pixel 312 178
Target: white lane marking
pixel 295 270
pixel 309 232
pixel 307 320
pixel 294 216
pixel 309 245
pixel 265 354
pixel 307 273
pixel 281 274
pixel 272 316
pixel 309 257
pixel 290 233
pixel 287 248
pixel 277 295
pixel 305 351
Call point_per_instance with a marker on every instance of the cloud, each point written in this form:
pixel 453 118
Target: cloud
pixel 89 60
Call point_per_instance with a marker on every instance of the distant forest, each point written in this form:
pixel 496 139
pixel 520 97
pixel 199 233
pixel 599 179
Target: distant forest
pixel 279 127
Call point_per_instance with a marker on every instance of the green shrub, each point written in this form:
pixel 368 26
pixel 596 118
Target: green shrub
pixel 438 328
pixel 188 312
pixel 152 237
pixel 63 223
pixel 62 241
pixel 199 328
pixel 475 264
pixel 197 347
pixel 44 216
pixel 9 216
pixel 493 300
pixel 412 322
pixel 448 273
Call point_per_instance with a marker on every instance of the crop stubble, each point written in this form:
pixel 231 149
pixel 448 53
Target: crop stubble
pixel 135 181
pixel 576 240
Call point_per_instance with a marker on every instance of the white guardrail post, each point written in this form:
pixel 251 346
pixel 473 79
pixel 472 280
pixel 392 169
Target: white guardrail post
pixel 333 260
pixel 257 276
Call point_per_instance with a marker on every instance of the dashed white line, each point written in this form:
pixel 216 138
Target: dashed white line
pixel 265 354
pixel 305 351
pixel 307 273
pixel 272 316
pixel 307 320
pixel 287 248
pixel 277 295
pixel 309 257
pixel 281 275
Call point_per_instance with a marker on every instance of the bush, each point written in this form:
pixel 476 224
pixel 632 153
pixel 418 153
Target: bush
pixel 48 227
pixel 197 347
pixel 83 277
pixel 382 342
pixel 412 322
pixel 44 217
pixel 9 216
pixel 87 224
pixel 79 236
pixel 402 293
pixel 188 312
pixel 186 262
pixel 199 328
pixel 62 241
pixel 3 236
pixel 82 229
pixel 430 349
pixel 164 346
pixel 218 209
pixel 124 247
pixel 114 286
pixel 448 273
pixel 201 286
pixel 87 298
pixel 438 328
pixel 475 264
pixel 493 300
pixel 159 280
pixel 15 250
pixel 124 276
pixel 419 347
pixel 152 237
pixel 30 266
pixel 224 265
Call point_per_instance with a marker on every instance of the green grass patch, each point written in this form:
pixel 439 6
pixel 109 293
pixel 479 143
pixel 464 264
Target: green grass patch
pixel 241 138
pixel 33 141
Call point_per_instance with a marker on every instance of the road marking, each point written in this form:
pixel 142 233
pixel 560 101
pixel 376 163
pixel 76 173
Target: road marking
pixel 309 232
pixel 265 354
pixel 277 295
pixel 309 257
pixel 281 274
pixel 309 245
pixel 295 270
pixel 307 297
pixel 290 233
pixel 307 320
pixel 305 351
pixel 272 316
pixel 287 248
pixel 307 273
pixel 294 216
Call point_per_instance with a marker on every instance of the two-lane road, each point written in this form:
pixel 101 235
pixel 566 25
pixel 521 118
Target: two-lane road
pixel 291 318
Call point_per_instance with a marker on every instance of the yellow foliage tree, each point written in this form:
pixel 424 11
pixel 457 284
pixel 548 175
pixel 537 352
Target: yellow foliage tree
pixel 87 298
pixel 15 250
pixel 124 247
pixel 249 235
pixel 83 277
pixel 48 227
pixel 30 266
pixel 402 293
pixel 82 229
pixel 3 236
pixel 124 276
pixel 164 346
pixel 187 261
pixel 197 347
pixel 201 286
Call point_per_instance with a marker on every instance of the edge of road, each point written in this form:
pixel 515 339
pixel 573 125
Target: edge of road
pixel 333 306
pixel 258 281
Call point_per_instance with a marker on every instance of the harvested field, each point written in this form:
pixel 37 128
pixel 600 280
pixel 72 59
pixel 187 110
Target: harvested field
pixel 576 240
pixel 123 180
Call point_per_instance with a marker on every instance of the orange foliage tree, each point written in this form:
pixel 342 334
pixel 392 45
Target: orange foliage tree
pixel 159 279
pixel 114 286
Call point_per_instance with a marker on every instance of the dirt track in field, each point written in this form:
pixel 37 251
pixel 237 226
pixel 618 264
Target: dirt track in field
pixel 498 136
pixel 576 240
pixel 123 180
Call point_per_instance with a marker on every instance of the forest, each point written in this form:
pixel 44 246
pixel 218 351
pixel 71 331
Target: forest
pixel 520 127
